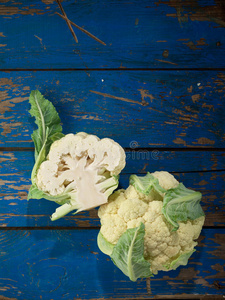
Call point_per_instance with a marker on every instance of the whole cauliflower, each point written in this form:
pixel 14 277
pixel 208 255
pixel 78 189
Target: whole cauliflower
pixel 170 215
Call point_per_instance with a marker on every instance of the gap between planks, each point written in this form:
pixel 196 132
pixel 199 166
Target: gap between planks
pixel 127 149
pixel 71 228
pixel 110 69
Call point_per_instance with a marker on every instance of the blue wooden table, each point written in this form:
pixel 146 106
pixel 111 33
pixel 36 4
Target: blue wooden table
pixel 151 76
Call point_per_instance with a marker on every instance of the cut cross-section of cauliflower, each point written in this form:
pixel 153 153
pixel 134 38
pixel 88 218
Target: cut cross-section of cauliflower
pixel 84 168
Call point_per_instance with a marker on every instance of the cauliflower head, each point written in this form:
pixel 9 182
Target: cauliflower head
pixel 78 171
pixel 169 238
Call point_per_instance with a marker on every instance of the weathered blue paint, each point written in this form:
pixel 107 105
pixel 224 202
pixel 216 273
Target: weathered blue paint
pixel 152 109
pixel 155 110
pixel 67 264
pixel 199 174
pixel 143 34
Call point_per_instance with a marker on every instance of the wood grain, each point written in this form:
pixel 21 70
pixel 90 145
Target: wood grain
pixel 156 86
pixel 146 34
pixel 152 109
pixel 206 175
pixel 56 264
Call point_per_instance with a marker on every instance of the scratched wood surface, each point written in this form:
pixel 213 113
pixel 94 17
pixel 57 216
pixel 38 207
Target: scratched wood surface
pixel 160 108
pixel 206 175
pixel 46 264
pixel 154 82
pixel 137 34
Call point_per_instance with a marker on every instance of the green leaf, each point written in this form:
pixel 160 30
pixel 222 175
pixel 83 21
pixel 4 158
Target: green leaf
pixel 35 193
pixel 128 254
pixel 105 246
pixel 181 260
pixel 46 116
pixel 145 184
pixel 181 204
pixel 49 128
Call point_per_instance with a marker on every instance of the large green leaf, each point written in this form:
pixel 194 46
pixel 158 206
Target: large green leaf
pixel 48 131
pixel 181 204
pixel 47 120
pixel 128 254
pixel 145 184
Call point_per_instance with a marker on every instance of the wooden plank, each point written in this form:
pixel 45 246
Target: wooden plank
pixel 205 174
pixel 146 34
pixel 186 296
pixel 67 264
pixel 144 109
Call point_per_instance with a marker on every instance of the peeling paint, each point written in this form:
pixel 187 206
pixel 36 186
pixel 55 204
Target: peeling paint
pixel 192 10
pixel 7 156
pixel 48 1
pixel 202 281
pixel 220 271
pixel 195 98
pixel 7 82
pixel 183 115
pixel 8 104
pixel 145 94
pixel 179 141
pixel 197 44
pixel 219 241
pixel 190 89
pixel 209 106
pixel 203 182
pixel 204 141
pixel 87 117
pixel 12 10
pixel 8 127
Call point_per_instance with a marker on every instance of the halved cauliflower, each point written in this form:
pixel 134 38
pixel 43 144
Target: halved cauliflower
pixel 83 166
pixel 78 171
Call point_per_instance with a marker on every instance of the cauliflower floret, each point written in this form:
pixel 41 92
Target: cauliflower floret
pixel 197 226
pixel 156 207
pixel 135 222
pixel 113 226
pixel 186 233
pixel 113 204
pixel 132 209
pixel 131 193
pixel 166 180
